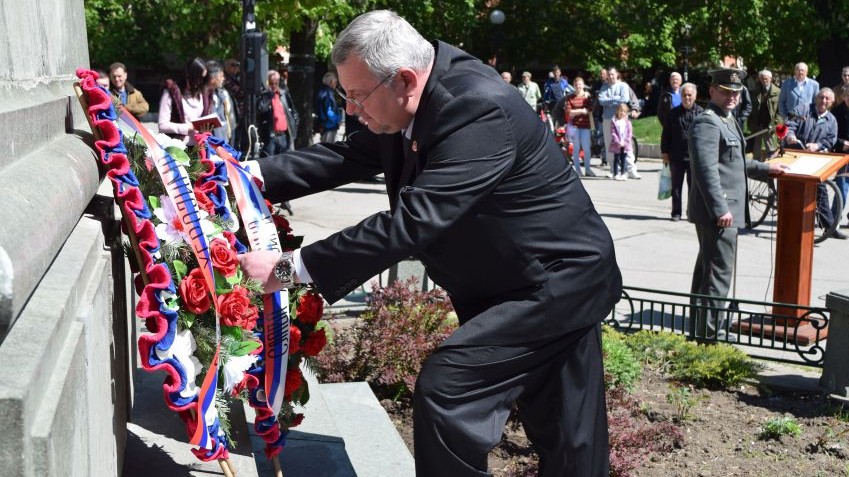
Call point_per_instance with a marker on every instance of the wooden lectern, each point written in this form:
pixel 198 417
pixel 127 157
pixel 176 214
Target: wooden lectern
pixel 797 205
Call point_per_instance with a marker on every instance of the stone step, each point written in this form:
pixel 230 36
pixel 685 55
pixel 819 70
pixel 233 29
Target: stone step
pixel 345 433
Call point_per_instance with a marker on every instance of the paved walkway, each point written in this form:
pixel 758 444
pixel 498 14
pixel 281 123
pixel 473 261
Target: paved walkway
pixel 652 251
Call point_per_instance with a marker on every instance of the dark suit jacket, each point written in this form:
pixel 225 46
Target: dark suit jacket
pixel 673 139
pixel 499 222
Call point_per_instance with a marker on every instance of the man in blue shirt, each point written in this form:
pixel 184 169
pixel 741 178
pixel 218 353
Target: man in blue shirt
pixel 556 87
pixel 817 132
pixel 797 94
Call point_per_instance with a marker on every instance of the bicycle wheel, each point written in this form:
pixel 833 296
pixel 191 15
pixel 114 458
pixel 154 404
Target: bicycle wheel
pixel 761 201
pixel 823 229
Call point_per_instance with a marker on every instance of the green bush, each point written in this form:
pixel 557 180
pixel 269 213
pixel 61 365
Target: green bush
pixel 621 368
pixel 780 426
pixel 715 366
pixel 656 348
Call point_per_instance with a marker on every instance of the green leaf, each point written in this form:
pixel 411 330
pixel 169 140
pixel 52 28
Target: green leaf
pixel 154 202
pixel 242 348
pixel 235 278
pixel 179 155
pixel 180 269
pixel 234 332
pixel 187 318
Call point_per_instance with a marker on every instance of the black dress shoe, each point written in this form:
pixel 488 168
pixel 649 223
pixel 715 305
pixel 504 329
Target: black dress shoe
pixel 839 235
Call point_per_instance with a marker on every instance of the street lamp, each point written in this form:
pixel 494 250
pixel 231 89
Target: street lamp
pixel 685 32
pixel 497 18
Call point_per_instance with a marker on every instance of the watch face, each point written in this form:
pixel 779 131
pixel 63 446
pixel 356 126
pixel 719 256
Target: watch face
pixel 283 271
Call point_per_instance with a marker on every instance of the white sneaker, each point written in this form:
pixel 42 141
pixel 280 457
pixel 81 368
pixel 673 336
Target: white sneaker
pixel 609 175
pixel 634 175
pixel 619 177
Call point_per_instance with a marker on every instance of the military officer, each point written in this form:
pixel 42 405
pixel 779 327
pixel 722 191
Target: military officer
pixel 718 199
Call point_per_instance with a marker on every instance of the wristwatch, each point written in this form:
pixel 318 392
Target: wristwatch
pixel 284 270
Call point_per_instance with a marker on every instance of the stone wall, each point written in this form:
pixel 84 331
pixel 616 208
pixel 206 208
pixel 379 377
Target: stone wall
pixel 64 375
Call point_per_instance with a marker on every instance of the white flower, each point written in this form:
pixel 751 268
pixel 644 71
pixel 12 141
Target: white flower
pixel 166 141
pixel 182 349
pixel 171 228
pixel 234 370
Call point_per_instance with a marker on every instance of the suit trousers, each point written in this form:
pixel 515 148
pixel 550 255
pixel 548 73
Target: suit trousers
pixel 680 170
pixel 712 276
pixel 464 396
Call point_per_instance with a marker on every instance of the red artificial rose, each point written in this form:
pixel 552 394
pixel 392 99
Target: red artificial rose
pixel 281 223
pixel 204 202
pixel 224 258
pixel 231 238
pixel 310 308
pixel 297 420
pixel 194 293
pixel 781 131
pixel 293 382
pixel 315 343
pixel 294 339
pixel 236 310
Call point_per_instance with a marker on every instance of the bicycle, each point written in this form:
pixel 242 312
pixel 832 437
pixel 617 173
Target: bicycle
pixel 763 199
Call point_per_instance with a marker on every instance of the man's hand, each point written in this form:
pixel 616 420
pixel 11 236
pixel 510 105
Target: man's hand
pixel 725 220
pixel 777 168
pixel 260 266
pixel 812 146
pixel 665 157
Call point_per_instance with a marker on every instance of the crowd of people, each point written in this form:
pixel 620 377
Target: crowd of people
pixel 212 89
pixel 590 114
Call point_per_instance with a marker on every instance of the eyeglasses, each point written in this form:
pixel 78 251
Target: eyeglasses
pixel 359 103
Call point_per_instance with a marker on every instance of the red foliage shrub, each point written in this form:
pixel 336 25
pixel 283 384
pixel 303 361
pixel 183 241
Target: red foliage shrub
pixel 390 341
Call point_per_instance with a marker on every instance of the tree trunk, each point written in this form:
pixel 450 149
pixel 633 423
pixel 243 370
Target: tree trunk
pixel 302 78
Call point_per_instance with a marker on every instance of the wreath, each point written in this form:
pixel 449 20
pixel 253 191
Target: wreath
pixel 187 214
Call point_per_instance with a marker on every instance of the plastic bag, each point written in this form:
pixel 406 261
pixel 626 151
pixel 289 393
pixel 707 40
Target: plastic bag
pixel 664 188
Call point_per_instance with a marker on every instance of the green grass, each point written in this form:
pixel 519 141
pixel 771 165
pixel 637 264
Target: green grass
pixel 647 130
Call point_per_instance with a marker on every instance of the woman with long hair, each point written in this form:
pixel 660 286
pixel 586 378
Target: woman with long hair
pixel 178 107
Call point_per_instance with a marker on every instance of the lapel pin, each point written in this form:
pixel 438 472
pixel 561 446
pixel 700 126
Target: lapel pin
pixel 414 146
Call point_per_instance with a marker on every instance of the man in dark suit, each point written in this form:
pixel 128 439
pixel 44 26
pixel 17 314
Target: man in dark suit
pixel 673 143
pixel 718 196
pixel 479 193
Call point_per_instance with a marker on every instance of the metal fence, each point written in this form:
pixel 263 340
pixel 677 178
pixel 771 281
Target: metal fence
pixel 767 330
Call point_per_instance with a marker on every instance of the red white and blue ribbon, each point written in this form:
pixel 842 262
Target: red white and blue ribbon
pixel 178 186
pixel 262 235
pixel 267 394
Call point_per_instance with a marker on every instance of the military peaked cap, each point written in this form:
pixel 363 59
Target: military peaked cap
pixel 728 78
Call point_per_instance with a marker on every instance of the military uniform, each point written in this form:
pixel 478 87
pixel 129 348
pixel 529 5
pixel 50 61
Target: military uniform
pixel 719 172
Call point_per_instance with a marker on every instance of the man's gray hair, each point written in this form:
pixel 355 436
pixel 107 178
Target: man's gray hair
pixel 385 42
pixel 329 78
pixel 765 73
pixel 689 86
pixel 825 90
